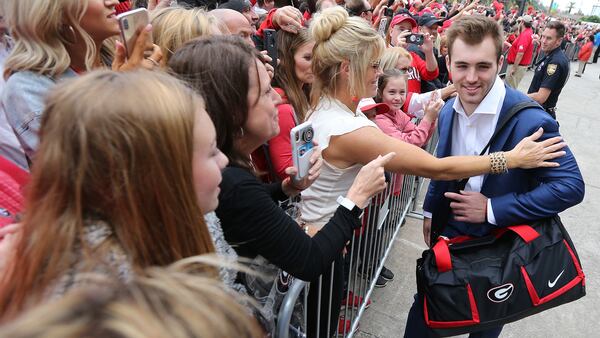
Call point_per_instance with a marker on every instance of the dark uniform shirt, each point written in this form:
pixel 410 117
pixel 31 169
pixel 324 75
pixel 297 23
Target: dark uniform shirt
pixel 552 73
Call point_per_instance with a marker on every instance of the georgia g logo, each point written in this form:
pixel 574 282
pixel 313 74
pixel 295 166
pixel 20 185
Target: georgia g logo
pixel 500 293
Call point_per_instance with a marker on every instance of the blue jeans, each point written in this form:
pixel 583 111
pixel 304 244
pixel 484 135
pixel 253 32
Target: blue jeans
pixel 416 327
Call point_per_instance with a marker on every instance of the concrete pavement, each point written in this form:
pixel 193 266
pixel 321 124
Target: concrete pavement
pixel 579 117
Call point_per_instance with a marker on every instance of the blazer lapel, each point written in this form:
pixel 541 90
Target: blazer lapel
pixel 445 123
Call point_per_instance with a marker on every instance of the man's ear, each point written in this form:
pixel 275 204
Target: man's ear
pixel 448 61
pixel 500 63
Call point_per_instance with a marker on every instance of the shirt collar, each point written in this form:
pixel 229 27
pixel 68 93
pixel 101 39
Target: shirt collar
pixel 490 104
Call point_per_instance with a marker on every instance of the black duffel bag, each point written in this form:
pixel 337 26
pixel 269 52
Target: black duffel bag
pixel 469 284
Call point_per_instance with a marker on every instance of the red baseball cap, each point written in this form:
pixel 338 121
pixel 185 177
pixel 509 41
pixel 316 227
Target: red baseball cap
pixel 380 108
pixel 401 18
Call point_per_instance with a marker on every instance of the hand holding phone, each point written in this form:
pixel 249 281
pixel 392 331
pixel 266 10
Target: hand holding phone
pixel 135 50
pixel 416 38
pixel 270 44
pixel 301 138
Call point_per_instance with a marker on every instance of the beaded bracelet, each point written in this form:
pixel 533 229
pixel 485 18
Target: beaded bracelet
pixel 498 163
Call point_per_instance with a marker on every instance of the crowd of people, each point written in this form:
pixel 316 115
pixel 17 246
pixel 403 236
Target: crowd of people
pixel 120 163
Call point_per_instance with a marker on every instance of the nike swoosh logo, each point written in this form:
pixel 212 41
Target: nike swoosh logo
pixel 501 293
pixel 552 283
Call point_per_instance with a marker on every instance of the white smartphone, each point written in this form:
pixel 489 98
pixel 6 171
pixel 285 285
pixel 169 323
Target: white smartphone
pixel 130 22
pixel 301 138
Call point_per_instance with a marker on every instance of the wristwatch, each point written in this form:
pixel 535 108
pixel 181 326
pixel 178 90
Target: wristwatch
pixel 348 204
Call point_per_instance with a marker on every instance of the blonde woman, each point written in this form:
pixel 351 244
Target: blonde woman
pixel 174 26
pixel 56 40
pixel 118 184
pixel 346 64
pixel 157 303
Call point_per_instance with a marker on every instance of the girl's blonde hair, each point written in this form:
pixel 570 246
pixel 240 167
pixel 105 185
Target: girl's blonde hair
pixel 41 29
pixel 390 57
pixel 339 37
pixel 174 26
pixel 116 147
pixel 160 302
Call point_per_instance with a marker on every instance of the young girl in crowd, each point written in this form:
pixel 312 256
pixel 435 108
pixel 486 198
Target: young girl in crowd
pixel 56 40
pixel 401 59
pixel 389 117
pixel 118 184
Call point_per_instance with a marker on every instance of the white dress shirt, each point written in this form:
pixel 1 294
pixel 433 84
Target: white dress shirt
pixel 471 133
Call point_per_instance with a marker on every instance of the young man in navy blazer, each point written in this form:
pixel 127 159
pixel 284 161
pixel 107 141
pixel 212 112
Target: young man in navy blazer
pixel 466 124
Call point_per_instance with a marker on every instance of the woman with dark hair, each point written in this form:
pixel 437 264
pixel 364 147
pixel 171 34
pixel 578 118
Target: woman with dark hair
pixel 243 106
pixel 292 82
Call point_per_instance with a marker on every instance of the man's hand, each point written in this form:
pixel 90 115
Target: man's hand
pixel 427 43
pixel 288 18
pixel 401 40
pixel 267 62
pixel 427 231
pixel 468 206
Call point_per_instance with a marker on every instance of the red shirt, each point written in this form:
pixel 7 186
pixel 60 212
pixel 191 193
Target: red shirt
pixel 586 51
pixel 417 72
pixel 524 44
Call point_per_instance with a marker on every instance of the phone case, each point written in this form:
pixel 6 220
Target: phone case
pixel 301 138
pixel 382 29
pixel 129 22
pixel 270 44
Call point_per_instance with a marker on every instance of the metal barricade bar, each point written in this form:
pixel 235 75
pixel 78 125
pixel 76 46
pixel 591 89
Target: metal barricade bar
pixel 368 251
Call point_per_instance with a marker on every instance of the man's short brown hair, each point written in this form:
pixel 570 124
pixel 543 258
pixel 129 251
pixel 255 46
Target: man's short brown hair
pixel 472 30
pixel 558 27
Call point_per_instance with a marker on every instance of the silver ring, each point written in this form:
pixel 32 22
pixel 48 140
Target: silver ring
pixel 154 62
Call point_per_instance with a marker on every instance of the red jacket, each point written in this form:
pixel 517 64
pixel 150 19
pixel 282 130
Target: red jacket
pixel 586 51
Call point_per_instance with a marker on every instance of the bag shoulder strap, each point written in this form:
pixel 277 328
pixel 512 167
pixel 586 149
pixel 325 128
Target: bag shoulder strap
pixel 500 125
pixel 506 117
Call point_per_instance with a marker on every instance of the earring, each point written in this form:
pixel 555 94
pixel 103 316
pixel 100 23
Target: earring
pixel 241 132
pixel 67 34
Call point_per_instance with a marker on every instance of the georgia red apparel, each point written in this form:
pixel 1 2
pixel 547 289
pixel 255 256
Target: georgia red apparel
pixel 524 44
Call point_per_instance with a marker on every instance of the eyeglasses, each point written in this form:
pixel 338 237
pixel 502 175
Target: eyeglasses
pixel 376 64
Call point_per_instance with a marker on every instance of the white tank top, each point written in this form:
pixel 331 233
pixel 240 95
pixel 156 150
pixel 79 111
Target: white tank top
pixel 319 201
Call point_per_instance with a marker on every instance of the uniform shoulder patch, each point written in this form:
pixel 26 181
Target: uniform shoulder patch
pixel 551 69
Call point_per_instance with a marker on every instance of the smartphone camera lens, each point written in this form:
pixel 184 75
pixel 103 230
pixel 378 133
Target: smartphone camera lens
pixel 125 24
pixel 308 135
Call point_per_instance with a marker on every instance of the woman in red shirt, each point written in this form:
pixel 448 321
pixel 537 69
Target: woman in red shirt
pixel 584 55
pixel 292 81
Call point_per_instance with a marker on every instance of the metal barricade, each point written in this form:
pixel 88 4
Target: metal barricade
pixel 365 255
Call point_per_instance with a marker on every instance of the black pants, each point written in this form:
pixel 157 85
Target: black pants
pixel 596 54
pixel 335 295
pixel 552 112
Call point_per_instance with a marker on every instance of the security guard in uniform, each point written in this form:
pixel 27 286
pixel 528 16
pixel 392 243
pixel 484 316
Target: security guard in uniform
pixel 552 72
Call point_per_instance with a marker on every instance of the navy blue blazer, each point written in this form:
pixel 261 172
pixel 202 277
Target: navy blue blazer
pixel 520 195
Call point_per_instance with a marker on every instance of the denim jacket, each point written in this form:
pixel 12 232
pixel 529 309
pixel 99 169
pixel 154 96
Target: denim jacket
pixel 23 102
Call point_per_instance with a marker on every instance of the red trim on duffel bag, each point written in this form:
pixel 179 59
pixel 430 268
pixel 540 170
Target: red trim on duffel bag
pixel 441 253
pixel 457 323
pixel 535 298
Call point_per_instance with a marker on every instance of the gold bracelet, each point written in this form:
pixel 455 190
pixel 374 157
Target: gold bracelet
pixel 498 163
